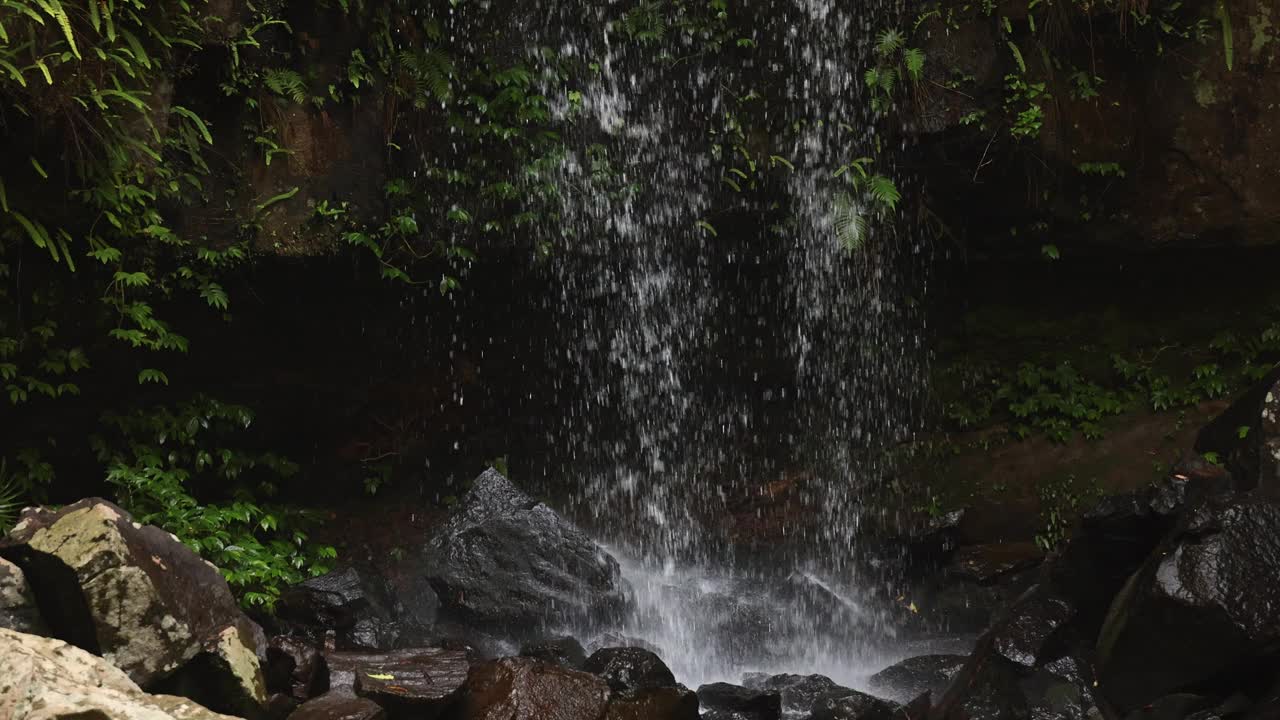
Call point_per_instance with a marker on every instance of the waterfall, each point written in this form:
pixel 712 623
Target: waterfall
pixel 723 343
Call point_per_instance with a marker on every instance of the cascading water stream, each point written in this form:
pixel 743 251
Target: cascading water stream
pixel 722 338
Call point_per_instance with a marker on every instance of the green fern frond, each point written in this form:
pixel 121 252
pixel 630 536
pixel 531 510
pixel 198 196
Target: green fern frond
pixel 884 191
pixel 286 83
pixel 849 221
pixel 914 58
pixel 10 499
pixel 890 42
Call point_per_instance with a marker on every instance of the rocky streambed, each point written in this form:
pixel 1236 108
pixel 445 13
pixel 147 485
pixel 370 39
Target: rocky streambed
pixel 1163 603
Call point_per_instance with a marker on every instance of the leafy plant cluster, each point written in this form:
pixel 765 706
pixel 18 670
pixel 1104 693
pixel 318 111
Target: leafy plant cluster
pixel 1060 400
pixel 158 458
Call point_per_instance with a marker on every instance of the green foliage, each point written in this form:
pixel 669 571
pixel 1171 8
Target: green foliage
pixel 894 61
pixel 180 468
pixel 1061 501
pixel 868 196
pixel 10 498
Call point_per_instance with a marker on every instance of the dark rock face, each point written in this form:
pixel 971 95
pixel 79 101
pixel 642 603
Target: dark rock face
pixel 142 600
pixel 360 609
pixel 18 609
pixel 1206 604
pixel 564 651
pixel 986 564
pixel 667 703
pixel 800 693
pixel 912 677
pixel 735 701
pixel 507 561
pixel 987 688
pixel 527 689
pixel 1026 632
pixel 1254 460
pixel 630 668
pixel 853 706
pixel 339 706
pixel 295 669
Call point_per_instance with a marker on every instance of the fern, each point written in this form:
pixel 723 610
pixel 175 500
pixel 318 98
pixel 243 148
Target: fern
pixel 849 221
pixel 890 42
pixel 286 83
pixel 913 58
pixel 431 72
pixel 10 499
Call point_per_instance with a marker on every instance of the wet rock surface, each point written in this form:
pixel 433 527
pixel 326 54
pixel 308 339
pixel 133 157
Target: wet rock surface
pixel 668 703
pixel 853 706
pixel 1206 604
pixel 296 669
pixel 564 651
pixel 505 561
pixel 910 678
pixel 528 689
pixel 629 668
pixel 339 706
pixel 360 609
pixel 799 693
pixel 725 701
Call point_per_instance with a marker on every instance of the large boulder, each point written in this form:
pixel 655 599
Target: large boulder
pixel 1246 437
pixel 1204 607
pixel 140 598
pixel 910 678
pixel 339 706
pixel 726 700
pixel 528 689
pixel 47 679
pixel 563 650
pixel 422 686
pixel 361 611
pixel 852 706
pixel 668 703
pixel 295 669
pixel 506 561
pixel 800 693
pixel 18 609
pixel 630 668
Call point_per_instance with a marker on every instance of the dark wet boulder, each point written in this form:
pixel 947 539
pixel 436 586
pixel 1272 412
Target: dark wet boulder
pixel 141 599
pixel 563 650
pixel 420 688
pixel 506 561
pixel 988 687
pixel 296 669
pixel 410 682
pixel 1246 437
pixel 910 678
pixel 18 610
pixel 1205 606
pixel 725 700
pixel 528 689
pixel 853 706
pixel 629 668
pixel 1177 706
pixel 339 706
pixel 1026 632
pixel 360 609
pixel 613 639
pixel 800 693
pixel 666 703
